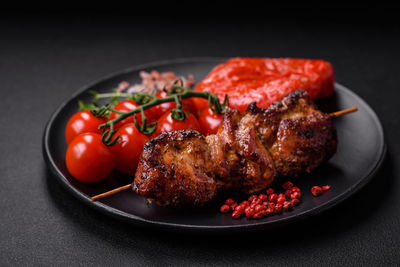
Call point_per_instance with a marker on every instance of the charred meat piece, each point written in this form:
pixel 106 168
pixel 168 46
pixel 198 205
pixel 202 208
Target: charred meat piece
pixel 174 170
pixel 244 163
pixel 298 136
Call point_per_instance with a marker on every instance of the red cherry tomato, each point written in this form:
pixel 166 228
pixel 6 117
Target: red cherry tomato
pixel 161 109
pixel 88 159
pixel 82 122
pixel 127 152
pixel 210 121
pixel 126 106
pixel 166 124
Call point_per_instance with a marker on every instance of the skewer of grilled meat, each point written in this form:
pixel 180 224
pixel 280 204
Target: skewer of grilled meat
pixel 246 154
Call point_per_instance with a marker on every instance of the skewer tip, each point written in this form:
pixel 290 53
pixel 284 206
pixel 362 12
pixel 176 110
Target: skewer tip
pixel 110 193
pixel 343 112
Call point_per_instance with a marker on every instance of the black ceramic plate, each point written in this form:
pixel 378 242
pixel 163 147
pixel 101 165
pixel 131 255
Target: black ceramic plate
pixel 360 152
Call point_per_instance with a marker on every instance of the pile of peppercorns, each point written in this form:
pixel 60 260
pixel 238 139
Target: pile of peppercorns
pixel 269 203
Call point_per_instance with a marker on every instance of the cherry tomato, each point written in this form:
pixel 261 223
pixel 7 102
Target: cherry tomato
pixel 127 152
pixel 210 121
pixel 82 122
pixel 166 124
pixel 126 106
pixel 161 109
pixel 88 159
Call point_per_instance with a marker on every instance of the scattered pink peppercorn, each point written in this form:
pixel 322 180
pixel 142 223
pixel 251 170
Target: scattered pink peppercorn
pixel 249 212
pixel 287 205
pixel 251 198
pixel 325 187
pixel 229 201
pixel 263 197
pixel 295 195
pixel 273 197
pixel 236 214
pixel 257 201
pixel 316 191
pixel 269 211
pixel 287 185
pixel 278 208
pixel 295 201
pixel 264 204
pixel 245 203
pixel 258 208
pixel 257 215
pixel 234 205
pixel 225 208
pixel 295 189
pixel 281 199
pixel 239 209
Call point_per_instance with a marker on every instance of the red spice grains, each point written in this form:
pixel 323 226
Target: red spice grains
pixel 225 208
pixel 325 187
pixel 319 190
pixel 287 185
pixel 269 203
pixel 264 204
pixel 316 191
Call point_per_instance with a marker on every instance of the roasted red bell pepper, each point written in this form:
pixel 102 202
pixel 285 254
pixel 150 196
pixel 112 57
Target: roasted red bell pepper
pixel 266 80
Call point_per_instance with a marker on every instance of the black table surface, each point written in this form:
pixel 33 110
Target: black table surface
pixel 44 60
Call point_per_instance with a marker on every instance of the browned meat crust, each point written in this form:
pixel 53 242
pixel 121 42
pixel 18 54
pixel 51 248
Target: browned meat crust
pixel 173 170
pixel 244 163
pixel 298 136
pixel 247 153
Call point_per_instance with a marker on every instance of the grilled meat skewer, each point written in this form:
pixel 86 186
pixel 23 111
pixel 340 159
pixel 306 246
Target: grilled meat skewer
pixel 246 154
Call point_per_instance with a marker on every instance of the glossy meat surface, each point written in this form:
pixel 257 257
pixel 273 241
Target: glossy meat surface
pixel 298 136
pixel 245 164
pixel 173 170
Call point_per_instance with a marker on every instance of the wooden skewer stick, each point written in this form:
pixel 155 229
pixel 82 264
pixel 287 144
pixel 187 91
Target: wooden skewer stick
pixel 111 192
pixel 343 112
pixel 126 187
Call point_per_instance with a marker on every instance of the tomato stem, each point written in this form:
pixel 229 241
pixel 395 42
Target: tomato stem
pixel 176 94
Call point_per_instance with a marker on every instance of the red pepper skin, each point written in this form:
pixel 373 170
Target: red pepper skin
pixel 266 80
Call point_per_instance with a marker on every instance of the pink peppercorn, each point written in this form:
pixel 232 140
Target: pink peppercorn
pixel 263 197
pixel 316 191
pixel 278 208
pixel 287 185
pixel 225 208
pixel 325 187
pixel 295 201
pixel 229 201
pixel 295 195
pixel 273 197
pixel 281 199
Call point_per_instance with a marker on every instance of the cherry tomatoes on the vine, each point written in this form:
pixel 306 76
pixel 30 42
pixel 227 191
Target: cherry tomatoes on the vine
pixel 128 105
pixel 88 159
pixel 166 124
pixel 210 121
pixel 127 152
pixel 82 122
pixel 161 109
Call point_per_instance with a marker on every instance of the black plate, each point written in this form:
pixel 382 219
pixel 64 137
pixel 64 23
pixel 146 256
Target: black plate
pixel 360 152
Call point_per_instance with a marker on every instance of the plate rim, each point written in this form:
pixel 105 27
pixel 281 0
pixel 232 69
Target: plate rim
pixel 131 218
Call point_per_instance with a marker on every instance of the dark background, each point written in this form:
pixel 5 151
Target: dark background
pixel 47 54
